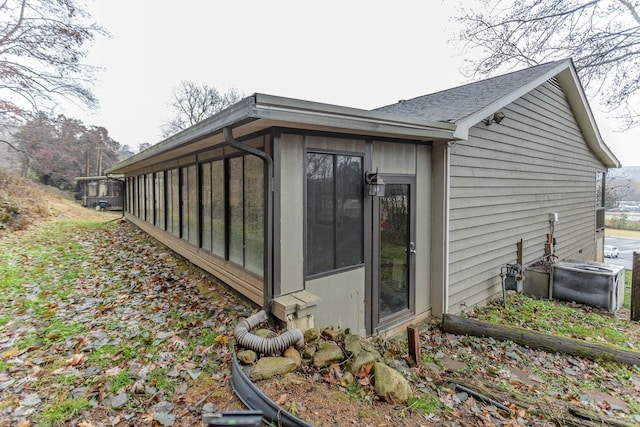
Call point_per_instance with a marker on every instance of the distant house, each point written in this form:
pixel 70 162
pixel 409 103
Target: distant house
pixel 282 199
pixel 101 192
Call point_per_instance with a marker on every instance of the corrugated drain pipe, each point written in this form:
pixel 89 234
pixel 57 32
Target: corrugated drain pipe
pixel 266 345
pixel 268 212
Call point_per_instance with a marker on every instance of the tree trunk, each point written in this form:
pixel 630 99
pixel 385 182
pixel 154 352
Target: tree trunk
pixel 538 340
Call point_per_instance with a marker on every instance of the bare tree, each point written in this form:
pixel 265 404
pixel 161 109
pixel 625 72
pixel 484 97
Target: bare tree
pixel 602 37
pixel 42 45
pixel 193 102
pixel 618 184
pixel 58 149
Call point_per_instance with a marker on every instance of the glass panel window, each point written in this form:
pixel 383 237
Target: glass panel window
pixel 205 200
pixel 160 217
pixel 253 214
pixel 320 213
pixel 349 211
pixel 217 208
pixel 149 198
pixel 236 211
pixel 192 207
pixel 173 202
pixel 184 204
pixel 335 218
pixel 139 196
pixel 189 204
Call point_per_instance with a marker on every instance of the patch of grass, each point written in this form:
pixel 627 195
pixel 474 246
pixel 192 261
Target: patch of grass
pixel 634 406
pixel 5 318
pixel 558 318
pixel 627 288
pixel 122 379
pixel 57 331
pixel 425 404
pixel 59 411
pixel 106 354
pixel 159 379
pixel 620 372
pixel 204 339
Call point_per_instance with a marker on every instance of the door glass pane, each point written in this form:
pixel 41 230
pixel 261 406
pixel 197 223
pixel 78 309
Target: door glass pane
pixel 394 250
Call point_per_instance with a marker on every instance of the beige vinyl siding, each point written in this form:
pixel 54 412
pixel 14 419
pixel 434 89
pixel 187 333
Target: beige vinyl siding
pixel 506 180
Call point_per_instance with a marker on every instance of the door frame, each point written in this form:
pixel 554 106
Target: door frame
pixel 378 324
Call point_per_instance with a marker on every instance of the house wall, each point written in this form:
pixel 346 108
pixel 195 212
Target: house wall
pixel 343 294
pixel 506 180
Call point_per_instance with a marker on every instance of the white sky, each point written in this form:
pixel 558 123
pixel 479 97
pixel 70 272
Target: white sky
pixel 356 53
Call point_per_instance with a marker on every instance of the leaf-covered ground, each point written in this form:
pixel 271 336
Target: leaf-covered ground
pixel 101 325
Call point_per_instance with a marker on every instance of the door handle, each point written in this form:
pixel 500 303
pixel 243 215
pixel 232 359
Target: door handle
pixel 412 248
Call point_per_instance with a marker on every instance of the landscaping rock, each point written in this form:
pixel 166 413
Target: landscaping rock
pixel 119 401
pixel 331 334
pixel 247 357
pixel 361 352
pixel 361 359
pixel 268 367
pixel 348 378
pixel 311 335
pixel 293 354
pixel 390 385
pixel 309 351
pixel 328 353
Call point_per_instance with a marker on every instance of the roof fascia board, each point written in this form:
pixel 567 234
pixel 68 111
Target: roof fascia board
pixel 468 122
pixel 344 124
pixel 239 111
pixel 569 79
pixel 317 111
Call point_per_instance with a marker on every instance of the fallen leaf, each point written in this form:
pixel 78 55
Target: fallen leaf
pixel 10 353
pixel 365 370
pixel 75 360
pixel 282 399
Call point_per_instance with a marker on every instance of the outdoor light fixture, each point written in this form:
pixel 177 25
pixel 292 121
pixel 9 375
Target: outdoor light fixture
pixel 496 118
pixel 375 183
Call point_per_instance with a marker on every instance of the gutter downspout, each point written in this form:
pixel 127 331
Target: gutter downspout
pixel 268 214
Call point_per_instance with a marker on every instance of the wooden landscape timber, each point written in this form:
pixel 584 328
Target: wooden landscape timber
pixel 538 340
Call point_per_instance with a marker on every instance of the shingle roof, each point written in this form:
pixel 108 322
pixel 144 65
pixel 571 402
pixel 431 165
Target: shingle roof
pixel 454 105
